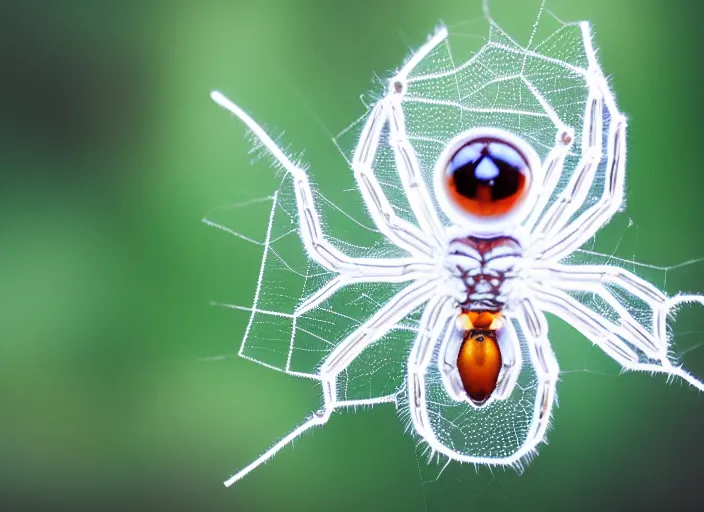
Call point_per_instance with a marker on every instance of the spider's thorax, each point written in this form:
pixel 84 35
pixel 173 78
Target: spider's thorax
pixel 484 267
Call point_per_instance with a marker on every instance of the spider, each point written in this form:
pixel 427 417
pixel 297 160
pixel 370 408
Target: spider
pixel 498 203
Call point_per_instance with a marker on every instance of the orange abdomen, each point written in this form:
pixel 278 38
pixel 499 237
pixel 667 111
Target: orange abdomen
pixel 479 363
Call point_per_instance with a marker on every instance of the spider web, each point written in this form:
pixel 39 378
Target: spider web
pixel 281 338
pixel 539 92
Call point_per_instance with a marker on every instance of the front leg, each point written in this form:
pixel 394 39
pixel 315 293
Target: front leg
pixel 576 232
pixel 400 232
pixel 563 228
pixel 316 244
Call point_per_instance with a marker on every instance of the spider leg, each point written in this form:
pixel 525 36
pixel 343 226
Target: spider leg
pixel 556 235
pixel 317 246
pixel 535 328
pixel 401 305
pixel 316 419
pixel 397 230
pixel 410 171
pixel 399 272
pixel 576 190
pixel 388 109
pixel 633 345
pixel 435 317
pixel 577 232
pixel 597 279
pixel 552 169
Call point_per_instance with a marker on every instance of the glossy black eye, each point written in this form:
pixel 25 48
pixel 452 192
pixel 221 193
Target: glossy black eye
pixel 487 176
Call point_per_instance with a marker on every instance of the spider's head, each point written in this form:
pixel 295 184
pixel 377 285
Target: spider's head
pixel 485 179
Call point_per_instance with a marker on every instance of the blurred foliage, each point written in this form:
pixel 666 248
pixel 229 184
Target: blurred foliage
pixel 118 382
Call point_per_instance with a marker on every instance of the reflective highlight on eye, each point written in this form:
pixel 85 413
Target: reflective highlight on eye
pixel 487 177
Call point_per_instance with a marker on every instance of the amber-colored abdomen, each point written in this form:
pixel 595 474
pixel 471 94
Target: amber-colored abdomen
pixel 479 363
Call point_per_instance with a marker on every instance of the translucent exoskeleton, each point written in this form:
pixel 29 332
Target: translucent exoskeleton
pixel 483 180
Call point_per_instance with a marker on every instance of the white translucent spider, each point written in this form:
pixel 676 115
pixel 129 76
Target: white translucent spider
pixel 483 181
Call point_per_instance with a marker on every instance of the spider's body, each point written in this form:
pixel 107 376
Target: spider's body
pixel 501 168
pixel 485 268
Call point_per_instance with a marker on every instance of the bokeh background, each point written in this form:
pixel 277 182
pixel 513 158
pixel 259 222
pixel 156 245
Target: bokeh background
pixel 118 382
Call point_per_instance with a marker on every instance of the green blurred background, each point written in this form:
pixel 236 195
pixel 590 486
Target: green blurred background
pixel 118 384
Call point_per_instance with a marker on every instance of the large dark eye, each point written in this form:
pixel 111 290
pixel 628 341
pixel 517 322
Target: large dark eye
pixel 487 177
